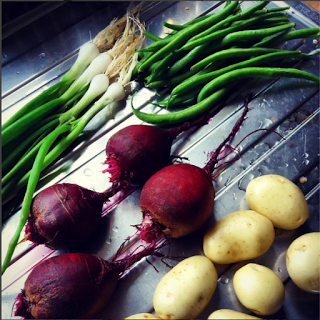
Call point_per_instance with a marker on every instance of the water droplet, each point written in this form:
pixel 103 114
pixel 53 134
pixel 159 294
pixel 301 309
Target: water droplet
pixel 42 55
pixel 279 269
pixel 242 183
pixel 306 162
pixel 294 159
pixel 109 241
pixel 286 165
pixel 227 182
pixel 115 229
pixel 87 172
pixel 234 196
pixel 18 72
pixel 224 280
pixel 305 155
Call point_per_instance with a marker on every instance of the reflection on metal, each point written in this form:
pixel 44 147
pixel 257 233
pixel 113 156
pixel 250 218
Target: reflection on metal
pixel 289 107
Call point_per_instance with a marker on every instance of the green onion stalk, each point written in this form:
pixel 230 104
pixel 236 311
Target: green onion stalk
pixel 103 41
pixel 71 127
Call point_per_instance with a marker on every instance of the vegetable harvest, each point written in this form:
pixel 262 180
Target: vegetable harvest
pixel 201 63
pixel 65 215
pixel 178 199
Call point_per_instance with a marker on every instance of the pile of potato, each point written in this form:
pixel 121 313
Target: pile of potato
pixel 186 290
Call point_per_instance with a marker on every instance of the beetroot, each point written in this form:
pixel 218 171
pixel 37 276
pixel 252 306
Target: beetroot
pixel 178 212
pixel 72 285
pixel 136 152
pixel 178 199
pixel 65 215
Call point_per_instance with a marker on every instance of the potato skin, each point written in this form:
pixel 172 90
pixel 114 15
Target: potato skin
pixel 230 314
pixel 303 262
pixel 186 289
pixel 239 236
pixel 279 199
pixel 141 316
pixel 259 289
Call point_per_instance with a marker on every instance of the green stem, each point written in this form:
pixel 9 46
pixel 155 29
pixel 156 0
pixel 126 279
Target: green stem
pixel 31 187
pixel 22 147
pixel 78 127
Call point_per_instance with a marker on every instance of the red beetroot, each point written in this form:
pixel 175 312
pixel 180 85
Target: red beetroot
pixel 72 285
pixel 65 215
pixel 178 199
pixel 136 152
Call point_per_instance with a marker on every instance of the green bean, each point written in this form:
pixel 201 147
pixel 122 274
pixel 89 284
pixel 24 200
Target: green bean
pixel 278 9
pixel 205 78
pixel 178 27
pixel 179 100
pixel 31 187
pixel 186 114
pixel 154 47
pixel 187 59
pixel 268 23
pixel 275 9
pixel 181 37
pixel 242 24
pixel 161 66
pixel 151 36
pixel 232 53
pixel 253 72
pixel 296 34
pixel 183 76
pixel 243 15
pixel 245 36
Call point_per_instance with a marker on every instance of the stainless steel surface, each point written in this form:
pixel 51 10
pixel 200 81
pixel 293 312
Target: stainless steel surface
pixel 289 107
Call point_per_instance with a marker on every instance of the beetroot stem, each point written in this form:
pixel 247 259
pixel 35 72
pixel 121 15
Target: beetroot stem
pixel 115 188
pixel 211 164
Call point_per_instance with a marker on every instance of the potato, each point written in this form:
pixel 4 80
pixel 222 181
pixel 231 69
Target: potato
pixel 278 199
pixel 303 262
pixel 239 236
pixel 186 289
pixel 259 289
pixel 143 316
pixel 229 314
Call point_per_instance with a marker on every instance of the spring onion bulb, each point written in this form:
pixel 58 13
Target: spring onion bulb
pixel 87 53
pixel 98 86
pixel 103 41
pixel 97 66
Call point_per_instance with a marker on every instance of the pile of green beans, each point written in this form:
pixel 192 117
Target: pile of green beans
pixel 202 60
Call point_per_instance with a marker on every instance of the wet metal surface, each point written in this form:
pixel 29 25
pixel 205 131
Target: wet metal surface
pixel 289 107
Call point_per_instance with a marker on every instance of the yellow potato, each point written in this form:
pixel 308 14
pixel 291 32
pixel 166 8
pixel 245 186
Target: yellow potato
pixel 303 262
pixel 186 289
pixel 259 289
pixel 143 316
pixel 279 199
pixel 229 314
pixel 239 236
